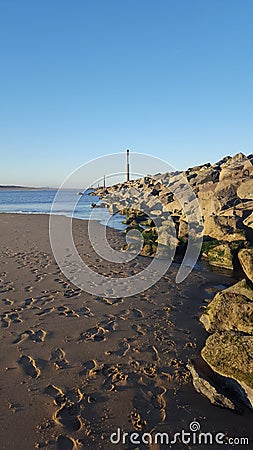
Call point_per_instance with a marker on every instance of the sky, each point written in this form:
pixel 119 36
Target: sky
pixel 80 79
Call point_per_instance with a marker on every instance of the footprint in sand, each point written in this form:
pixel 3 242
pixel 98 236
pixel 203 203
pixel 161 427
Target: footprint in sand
pixel 58 357
pixel 150 370
pixel 156 395
pixel 38 278
pixel 84 311
pixel 66 443
pixel 28 302
pixel 74 395
pixel 6 286
pixel 68 415
pixel 114 376
pixel 7 301
pixel 109 324
pixel 28 289
pixel 65 311
pixel 56 393
pixel 35 336
pixel 5 320
pixel 136 420
pixel 72 293
pixel 45 311
pixel 96 334
pixel 124 347
pixel 44 299
pixel 155 353
pixel 3 274
pixel 90 368
pixel 109 301
pixel 140 330
pixel 137 313
pixel 10 317
pixel 29 366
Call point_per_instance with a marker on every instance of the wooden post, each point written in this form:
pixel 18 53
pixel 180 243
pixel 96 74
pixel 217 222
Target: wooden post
pixel 127 166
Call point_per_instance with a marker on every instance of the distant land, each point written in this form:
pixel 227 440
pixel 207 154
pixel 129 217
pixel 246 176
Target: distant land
pixel 4 186
pixel 32 188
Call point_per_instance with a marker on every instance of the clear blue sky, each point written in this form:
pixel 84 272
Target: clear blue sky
pixel 83 78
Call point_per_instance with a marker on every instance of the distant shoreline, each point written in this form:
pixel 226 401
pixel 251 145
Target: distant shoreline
pixel 26 188
pixel 32 188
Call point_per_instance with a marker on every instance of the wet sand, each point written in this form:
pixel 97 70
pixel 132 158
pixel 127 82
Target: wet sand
pixel 76 367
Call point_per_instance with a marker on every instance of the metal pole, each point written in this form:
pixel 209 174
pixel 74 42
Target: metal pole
pixel 127 166
pixel 104 181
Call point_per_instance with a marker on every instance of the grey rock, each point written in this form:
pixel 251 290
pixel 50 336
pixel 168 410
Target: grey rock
pixel 204 387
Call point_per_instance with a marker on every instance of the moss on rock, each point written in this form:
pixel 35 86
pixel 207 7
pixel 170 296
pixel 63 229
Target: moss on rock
pixel 230 354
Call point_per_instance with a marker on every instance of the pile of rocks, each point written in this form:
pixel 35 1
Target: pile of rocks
pixel 164 207
pixel 161 207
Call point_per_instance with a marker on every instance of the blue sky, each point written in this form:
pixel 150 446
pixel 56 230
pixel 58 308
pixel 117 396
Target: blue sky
pixel 83 78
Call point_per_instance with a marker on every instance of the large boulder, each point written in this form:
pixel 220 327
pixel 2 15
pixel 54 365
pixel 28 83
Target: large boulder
pixel 167 237
pixel 239 166
pixel 230 309
pixel 245 256
pixel 230 354
pixel 113 208
pixel 221 256
pixel 206 388
pixel 248 222
pixel 223 228
pixel 183 230
pixel 225 194
pixel 245 190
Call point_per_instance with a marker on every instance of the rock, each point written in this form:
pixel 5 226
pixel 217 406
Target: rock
pixel 245 257
pixel 245 190
pixel 248 222
pixel 167 236
pixel 203 386
pixel 172 207
pixel 155 212
pixel 134 215
pixel 206 199
pixel 221 256
pixel 203 176
pixel 134 226
pixel 225 194
pixel 223 228
pixel 154 205
pixel 149 249
pixel 240 288
pixel 230 309
pixel 236 167
pixel 230 354
pixel 183 231
pixel 113 209
pixel 133 192
pixel 149 235
pixel 207 245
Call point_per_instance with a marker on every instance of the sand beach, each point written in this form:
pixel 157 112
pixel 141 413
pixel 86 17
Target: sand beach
pixel 75 368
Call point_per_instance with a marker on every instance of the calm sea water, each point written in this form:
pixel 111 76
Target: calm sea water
pixel 69 204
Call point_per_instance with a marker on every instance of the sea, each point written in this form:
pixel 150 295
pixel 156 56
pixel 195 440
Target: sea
pixel 70 203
